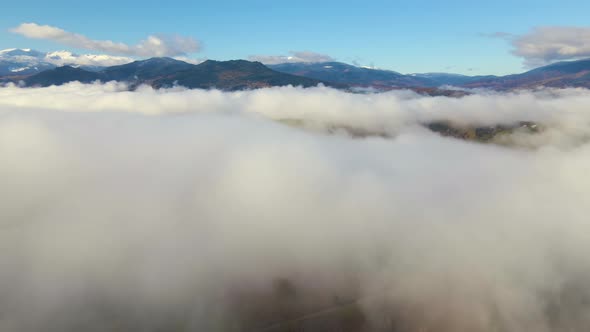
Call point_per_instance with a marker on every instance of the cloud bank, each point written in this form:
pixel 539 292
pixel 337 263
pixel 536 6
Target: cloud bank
pixel 61 58
pixel 158 46
pixel 188 210
pixel 294 56
pixel 547 44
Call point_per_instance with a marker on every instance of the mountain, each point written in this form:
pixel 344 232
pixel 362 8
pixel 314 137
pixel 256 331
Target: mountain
pixel 233 75
pixel 482 134
pixel 440 79
pixel 24 62
pixel 167 72
pixel 20 52
pixel 62 75
pixel 28 65
pixel 145 70
pixel 137 72
pixel 11 68
pixel 557 75
pixel 338 72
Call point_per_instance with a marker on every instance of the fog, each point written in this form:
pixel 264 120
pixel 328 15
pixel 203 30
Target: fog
pixel 191 210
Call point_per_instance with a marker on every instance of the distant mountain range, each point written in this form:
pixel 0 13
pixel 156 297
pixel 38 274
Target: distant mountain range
pixel 370 77
pixel 17 62
pixel 560 75
pixel 557 75
pixel 167 72
pixel 440 79
pixel 24 62
pixel 35 68
pixel 343 73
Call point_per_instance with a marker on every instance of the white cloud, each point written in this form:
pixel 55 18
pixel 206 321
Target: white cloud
pixel 194 61
pixel 294 56
pixel 153 46
pixel 60 58
pixel 195 210
pixel 547 44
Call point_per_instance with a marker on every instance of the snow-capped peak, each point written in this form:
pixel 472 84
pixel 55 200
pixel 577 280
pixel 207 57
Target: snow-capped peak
pixel 27 61
pixel 7 50
pixel 20 52
pixel 28 57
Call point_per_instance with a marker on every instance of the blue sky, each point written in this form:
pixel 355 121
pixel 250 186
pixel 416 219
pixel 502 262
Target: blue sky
pixel 406 36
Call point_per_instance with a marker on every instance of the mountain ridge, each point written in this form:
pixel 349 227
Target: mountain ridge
pixel 574 73
pixel 25 64
pixel 167 72
pixel 22 62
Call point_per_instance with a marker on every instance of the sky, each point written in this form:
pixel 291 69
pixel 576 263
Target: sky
pixel 467 37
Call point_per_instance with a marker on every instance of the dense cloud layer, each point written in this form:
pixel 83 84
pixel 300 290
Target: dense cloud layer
pixel 177 210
